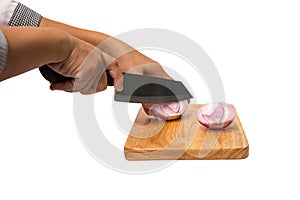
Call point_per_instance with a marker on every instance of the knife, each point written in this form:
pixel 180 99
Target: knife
pixel 136 88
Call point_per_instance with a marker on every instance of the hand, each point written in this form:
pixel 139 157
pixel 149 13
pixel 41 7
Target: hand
pixel 86 65
pixel 129 59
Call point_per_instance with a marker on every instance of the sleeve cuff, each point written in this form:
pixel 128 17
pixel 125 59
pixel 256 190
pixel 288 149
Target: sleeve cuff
pixel 3 50
pixel 24 16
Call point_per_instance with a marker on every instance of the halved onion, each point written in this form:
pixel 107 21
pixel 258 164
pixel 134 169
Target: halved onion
pixel 216 115
pixel 169 111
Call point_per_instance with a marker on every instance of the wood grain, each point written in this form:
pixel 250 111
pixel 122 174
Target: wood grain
pixel 184 139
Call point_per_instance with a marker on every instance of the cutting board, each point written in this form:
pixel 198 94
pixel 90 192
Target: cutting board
pixel 184 139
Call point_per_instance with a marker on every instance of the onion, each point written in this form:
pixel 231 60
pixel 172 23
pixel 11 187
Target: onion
pixel 169 111
pixel 216 115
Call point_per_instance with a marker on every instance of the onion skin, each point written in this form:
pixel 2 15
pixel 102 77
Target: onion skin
pixel 169 111
pixel 216 115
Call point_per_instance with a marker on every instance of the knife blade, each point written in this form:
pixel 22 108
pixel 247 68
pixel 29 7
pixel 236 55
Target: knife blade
pixel 149 89
pixel 136 88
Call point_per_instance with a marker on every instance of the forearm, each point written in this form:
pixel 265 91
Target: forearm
pixel 127 56
pixel 30 47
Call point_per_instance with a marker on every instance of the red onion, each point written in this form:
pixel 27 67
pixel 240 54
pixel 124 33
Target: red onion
pixel 169 111
pixel 216 115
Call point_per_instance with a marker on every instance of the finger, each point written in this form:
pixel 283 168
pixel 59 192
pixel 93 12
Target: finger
pixel 88 86
pixel 112 66
pixel 99 83
pixel 102 83
pixel 96 84
pixel 65 86
pixel 116 73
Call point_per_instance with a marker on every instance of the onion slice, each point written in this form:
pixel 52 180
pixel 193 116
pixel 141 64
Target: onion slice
pixel 216 115
pixel 169 111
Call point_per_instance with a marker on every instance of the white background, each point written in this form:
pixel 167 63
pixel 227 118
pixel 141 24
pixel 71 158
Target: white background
pixel 255 46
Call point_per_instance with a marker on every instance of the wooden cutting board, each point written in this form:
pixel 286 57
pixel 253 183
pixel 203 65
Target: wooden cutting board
pixel 184 139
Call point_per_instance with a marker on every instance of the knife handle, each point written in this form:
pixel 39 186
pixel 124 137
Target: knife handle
pixel 54 77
